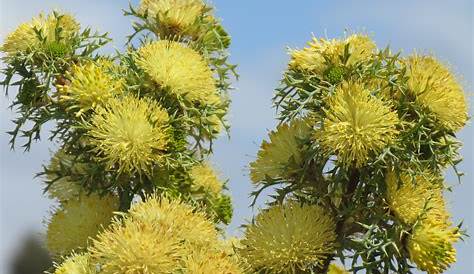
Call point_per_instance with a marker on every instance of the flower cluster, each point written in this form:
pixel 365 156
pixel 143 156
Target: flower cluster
pixel 365 134
pixel 129 126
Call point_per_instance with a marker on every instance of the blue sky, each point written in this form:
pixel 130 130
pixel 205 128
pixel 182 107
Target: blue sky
pixel 261 31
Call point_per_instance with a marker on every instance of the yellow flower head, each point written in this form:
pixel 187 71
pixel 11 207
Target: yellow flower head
pixel 290 237
pixel 63 188
pixel 335 269
pixel 357 125
pixel 180 71
pixel 174 16
pixel 78 220
pixel 129 134
pixel 136 248
pixel 205 261
pixel 322 54
pixel 204 176
pixel 155 236
pixel 273 158
pixel 25 38
pixel 173 215
pixel 431 247
pixel 76 264
pixel 418 197
pixel 90 86
pixel 436 88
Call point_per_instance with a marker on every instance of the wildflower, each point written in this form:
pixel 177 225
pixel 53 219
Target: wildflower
pixel 179 70
pixel 136 248
pixel 204 261
pixel 25 38
pixel 173 17
pixel 77 220
pixel 283 151
pixel 436 88
pixel 190 226
pixel 288 238
pixel 203 176
pixel 431 247
pixel 357 125
pixel 76 264
pixel 417 197
pixel 129 134
pixel 322 55
pixel 154 237
pixel 90 86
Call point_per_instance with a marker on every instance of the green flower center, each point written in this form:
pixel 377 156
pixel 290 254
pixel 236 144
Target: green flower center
pixel 335 74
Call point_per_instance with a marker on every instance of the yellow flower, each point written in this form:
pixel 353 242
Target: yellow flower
pixel 136 248
pixel 158 236
pixel 173 17
pixel 288 238
pixel 25 38
pixel 191 227
pixel 357 125
pixel 418 197
pixel 205 261
pixel 76 264
pixel 179 70
pixel 335 269
pixel 204 176
pixel 90 86
pixel 78 220
pixel 322 54
pixel 129 134
pixel 63 188
pixel 282 153
pixel 431 247
pixel 361 48
pixel 436 88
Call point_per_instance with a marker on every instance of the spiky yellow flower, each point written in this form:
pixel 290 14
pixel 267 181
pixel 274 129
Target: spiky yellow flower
pixel 78 220
pixel 436 88
pixel 63 188
pixel 204 176
pixel 322 54
pixel 129 134
pixel 89 86
pixel 288 238
pixel 172 17
pixel 179 70
pixel 416 198
pixel 25 38
pixel 136 248
pixel 76 264
pixel 191 227
pixel 205 261
pixel 335 269
pixel 155 236
pixel 357 125
pixel 276 158
pixel 431 247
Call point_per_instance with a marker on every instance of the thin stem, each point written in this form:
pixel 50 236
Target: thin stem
pixel 352 184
